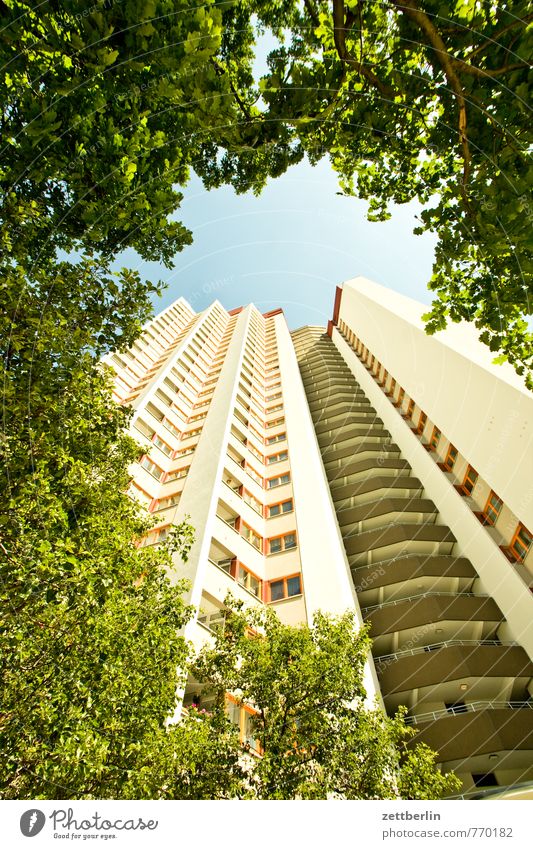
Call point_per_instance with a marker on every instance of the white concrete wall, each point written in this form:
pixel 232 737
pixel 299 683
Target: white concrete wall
pixel 498 578
pixel 483 409
pixel 203 484
pixel 326 575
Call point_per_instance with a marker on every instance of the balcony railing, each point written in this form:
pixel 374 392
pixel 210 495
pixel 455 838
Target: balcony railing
pixel 387 658
pixel 470 707
pixel 421 595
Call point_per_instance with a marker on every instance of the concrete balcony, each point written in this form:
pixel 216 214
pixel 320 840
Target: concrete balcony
pixel 485 728
pixel 343 487
pixel 438 672
pixel 426 616
pixel 384 543
pixel 348 445
pixel 381 486
pixel 335 394
pixel 384 511
pixel 400 576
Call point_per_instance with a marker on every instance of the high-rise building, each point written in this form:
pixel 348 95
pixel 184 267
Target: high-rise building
pixel 367 467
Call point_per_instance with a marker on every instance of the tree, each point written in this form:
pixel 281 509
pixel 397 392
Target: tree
pixel 105 111
pixel 90 623
pixel 317 739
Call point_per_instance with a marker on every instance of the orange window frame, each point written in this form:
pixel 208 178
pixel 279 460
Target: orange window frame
pixel 284 579
pixel 275 477
pixel 421 422
pixel 435 437
pixel 270 540
pixel 520 555
pixel 470 479
pixel 269 458
pixel 147 457
pixel 279 504
pixel 245 710
pixel 491 513
pixel 234 573
pixel 260 538
pixel 279 437
pixel 249 468
pixel 451 457
pixel 243 492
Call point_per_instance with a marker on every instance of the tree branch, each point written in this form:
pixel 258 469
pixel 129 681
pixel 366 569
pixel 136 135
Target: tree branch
pixel 410 8
pixel 220 70
pixel 466 68
pixel 313 14
pixel 340 27
pixel 493 39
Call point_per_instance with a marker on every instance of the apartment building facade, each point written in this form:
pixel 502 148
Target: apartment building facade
pixel 327 470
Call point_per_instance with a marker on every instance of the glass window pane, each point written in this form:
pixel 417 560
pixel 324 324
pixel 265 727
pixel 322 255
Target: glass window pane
pixel 290 541
pixel 293 586
pixel 276 590
pixel 287 506
pixel 274 510
pixel 275 545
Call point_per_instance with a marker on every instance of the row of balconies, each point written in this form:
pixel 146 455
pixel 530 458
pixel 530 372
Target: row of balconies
pixel 434 635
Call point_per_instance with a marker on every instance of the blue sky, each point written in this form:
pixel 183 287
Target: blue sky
pixel 289 247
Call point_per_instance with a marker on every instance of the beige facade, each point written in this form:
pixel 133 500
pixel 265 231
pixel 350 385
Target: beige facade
pixel 309 488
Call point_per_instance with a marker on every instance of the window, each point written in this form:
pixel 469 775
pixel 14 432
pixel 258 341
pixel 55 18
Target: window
pixel 255 476
pixel 277 458
pixel 275 423
pixel 162 445
pixel 176 474
pixel 470 480
pixel 152 468
pixel 410 409
pixel 249 534
pixel 492 508
pixel 248 580
pixel 399 400
pixel 270 440
pixel 279 480
pixel 435 436
pixel 285 588
pixel 253 502
pixel 169 501
pixel 280 508
pixel 521 543
pixel 255 452
pixel 392 387
pixel 138 494
pixel 194 432
pixel 282 543
pixel 168 424
pixel 156 536
pixel 243 717
pixel 451 457
pixel 421 423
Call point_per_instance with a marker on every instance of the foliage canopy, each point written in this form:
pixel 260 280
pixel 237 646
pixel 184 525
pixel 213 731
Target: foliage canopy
pixel 106 110
pixel 317 737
